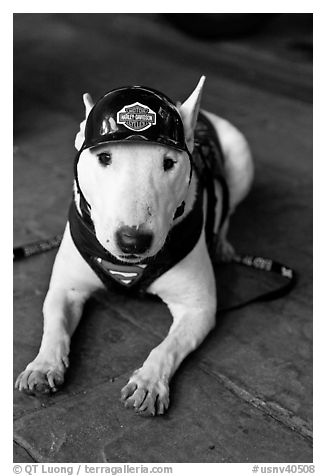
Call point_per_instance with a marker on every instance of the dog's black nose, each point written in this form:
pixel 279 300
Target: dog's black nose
pixel 132 240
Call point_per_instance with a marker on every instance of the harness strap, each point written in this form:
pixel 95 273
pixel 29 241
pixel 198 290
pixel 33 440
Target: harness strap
pixel 209 163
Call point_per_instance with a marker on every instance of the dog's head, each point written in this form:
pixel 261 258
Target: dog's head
pixel 135 188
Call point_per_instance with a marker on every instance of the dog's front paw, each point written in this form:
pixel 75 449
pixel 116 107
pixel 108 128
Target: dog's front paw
pixel 146 394
pixel 41 377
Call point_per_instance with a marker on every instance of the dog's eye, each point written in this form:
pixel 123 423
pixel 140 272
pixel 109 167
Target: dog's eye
pixel 104 158
pixel 168 163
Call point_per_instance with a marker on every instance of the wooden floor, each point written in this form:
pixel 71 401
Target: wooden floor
pixel 246 394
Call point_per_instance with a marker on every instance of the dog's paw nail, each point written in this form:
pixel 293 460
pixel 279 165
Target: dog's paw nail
pixel 129 403
pixel 160 407
pixel 146 412
pixel 128 390
pixel 65 361
pixel 139 397
pixel 147 408
pixel 18 380
pixel 55 379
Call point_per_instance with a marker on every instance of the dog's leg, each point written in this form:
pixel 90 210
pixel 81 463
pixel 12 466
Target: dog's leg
pixel 72 282
pixel 189 291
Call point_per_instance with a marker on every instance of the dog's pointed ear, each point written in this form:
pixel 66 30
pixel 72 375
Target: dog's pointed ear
pixel 88 102
pixel 80 136
pixel 189 113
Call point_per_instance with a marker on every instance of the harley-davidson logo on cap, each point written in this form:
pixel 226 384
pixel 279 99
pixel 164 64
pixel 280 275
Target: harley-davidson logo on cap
pixel 136 117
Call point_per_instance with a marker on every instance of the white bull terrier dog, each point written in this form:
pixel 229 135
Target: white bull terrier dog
pixel 155 185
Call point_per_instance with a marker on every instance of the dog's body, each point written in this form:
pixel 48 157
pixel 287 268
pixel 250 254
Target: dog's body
pixel 135 193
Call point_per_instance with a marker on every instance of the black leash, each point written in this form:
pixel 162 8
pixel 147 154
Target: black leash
pixel 25 251
pixel 256 262
pixel 268 265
